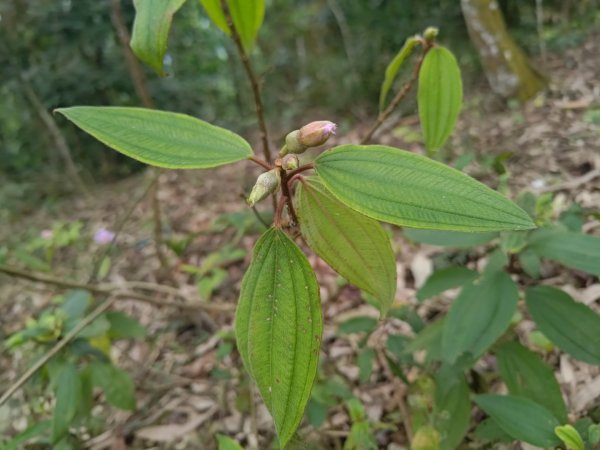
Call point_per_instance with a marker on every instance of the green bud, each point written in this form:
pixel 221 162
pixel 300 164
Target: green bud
pixel 316 133
pixel 266 184
pixel 430 33
pixel 292 144
pixel 290 162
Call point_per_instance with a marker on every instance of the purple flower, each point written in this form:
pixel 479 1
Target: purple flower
pixel 46 234
pixel 103 236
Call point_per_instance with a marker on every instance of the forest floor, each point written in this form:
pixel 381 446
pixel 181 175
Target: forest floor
pixel 189 382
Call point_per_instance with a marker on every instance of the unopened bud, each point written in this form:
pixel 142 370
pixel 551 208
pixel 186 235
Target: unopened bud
pixel 266 184
pixel 290 162
pixel 316 133
pixel 292 144
pixel 430 33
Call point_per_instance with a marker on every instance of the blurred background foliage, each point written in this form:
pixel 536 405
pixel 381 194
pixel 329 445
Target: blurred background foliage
pixel 316 57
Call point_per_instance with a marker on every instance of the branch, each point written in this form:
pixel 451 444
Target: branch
pixel 235 36
pixel 260 162
pixel 58 347
pixel 116 291
pixel 399 96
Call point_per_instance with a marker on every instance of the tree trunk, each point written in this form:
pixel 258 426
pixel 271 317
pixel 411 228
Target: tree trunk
pixel 506 66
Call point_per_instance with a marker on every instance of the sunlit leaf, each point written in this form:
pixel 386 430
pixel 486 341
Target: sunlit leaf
pixel 226 443
pixel 570 437
pixel 354 245
pixel 160 138
pixel 526 375
pixel 479 315
pixel 278 328
pixel 571 326
pixel 521 418
pixel 394 66
pixel 406 189
pixel 151 30
pixel 440 96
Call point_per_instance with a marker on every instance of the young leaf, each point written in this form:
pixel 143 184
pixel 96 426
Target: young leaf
pixel 35 430
pixel 406 189
pixel 278 328
pixel 526 375
pixel 247 16
pixel 570 437
pixel 439 97
pixel 571 326
pixel 118 386
pixel 160 138
pixel 68 393
pixel 479 315
pixel 575 250
pixel 521 418
pixel 453 239
pixel 444 279
pixel 226 443
pixel 394 66
pixel 354 245
pixel 123 326
pixel 452 410
pixel 151 30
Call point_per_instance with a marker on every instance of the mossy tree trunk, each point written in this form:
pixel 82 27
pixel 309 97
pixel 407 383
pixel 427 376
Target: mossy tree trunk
pixel 506 66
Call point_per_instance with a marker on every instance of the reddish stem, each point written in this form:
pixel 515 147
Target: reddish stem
pixel 261 162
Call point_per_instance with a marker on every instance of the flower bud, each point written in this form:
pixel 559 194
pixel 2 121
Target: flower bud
pixel 290 162
pixel 430 34
pixel 292 144
pixel 266 184
pixel 316 133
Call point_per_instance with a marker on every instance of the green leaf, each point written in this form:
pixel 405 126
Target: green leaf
pixel 354 245
pixel 479 315
pixel 488 430
pixel 575 250
pixel 526 375
pixel 594 434
pixel 439 97
pixel 68 393
pixel 406 189
pixel 426 438
pixel 444 279
pixel 226 443
pixel 394 66
pixel 570 436
pixel 521 418
pixel 30 432
pixel 429 339
pixel 513 241
pixel 452 410
pixel 364 361
pixel 571 326
pixel 123 326
pixel 453 239
pixel 530 263
pixel 151 30
pixel 160 138
pixel 247 16
pixel 358 324
pixel 117 385
pixel 278 328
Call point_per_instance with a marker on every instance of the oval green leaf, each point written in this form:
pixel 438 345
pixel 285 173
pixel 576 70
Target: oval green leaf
pixel 247 17
pixel 479 315
pixel 394 66
pixel 526 375
pixel 575 250
pixel 443 279
pixel 278 328
pixel 571 326
pixel 521 418
pixel 226 443
pixel 151 30
pixel 439 97
pixel 454 239
pixel 452 412
pixel 570 437
pixel 355 246
pixel 160 138
pixel 410 190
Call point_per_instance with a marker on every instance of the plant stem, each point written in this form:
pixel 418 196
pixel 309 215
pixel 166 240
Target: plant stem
pixel 301 169
pixel 383 115
pixel 285 190
pixel 279 211
pixel 261 162
pixel 235 36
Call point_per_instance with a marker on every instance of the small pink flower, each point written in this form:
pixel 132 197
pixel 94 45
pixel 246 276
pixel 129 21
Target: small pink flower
pixel 103 236
pixel 46 234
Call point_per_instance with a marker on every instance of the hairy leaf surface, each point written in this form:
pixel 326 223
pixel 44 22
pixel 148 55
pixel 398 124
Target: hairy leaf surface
pixel 151 30
pixel 439 97
pixel 406 189
pixel 521 418
pixel 160 138
pixel 354 245
pixel 479 315
pixel 278 328
pixel 571 326
pixel 526 375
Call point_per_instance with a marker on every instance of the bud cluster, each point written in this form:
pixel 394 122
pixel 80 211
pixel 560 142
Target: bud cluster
pixel 311 135
pixel 266 184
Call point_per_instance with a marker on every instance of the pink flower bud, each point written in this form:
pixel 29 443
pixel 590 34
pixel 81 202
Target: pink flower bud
pixel 46 234
pixel 103 236
pixel 316 133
